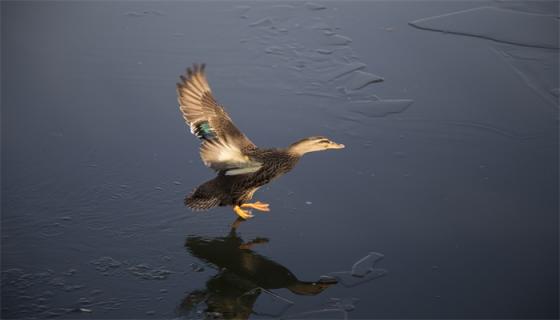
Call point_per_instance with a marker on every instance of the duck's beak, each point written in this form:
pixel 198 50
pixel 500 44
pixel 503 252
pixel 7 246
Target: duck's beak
pixel 335 145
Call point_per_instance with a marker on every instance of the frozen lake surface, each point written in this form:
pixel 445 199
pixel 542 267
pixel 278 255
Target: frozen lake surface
pixel 444 203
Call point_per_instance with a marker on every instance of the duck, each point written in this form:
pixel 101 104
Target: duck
pixel 241 167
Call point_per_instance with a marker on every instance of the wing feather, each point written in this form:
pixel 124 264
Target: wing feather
pixel 224 147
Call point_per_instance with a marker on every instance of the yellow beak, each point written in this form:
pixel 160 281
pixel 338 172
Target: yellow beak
pixel 336 146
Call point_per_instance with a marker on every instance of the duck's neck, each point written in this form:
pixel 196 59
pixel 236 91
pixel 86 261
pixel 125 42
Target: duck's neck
pixel 302 147
pixel 296 150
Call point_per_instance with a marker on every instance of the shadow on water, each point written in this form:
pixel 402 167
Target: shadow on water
pixel 243 276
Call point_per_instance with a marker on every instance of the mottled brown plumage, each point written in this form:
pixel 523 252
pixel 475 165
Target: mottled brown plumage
pixel 241 166
pixel 233 190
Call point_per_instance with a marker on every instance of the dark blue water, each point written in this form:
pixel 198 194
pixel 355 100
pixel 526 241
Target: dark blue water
pixel 444 203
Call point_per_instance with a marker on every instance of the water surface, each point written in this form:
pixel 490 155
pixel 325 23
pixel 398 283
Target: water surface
pixel 444 203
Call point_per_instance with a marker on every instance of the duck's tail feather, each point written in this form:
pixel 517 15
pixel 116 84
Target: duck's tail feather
pixel 199 202
pixel 204 197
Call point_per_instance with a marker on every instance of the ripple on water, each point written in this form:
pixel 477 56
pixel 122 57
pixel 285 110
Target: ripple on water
pixel 144 13
pixel 508 26
pixel 346 304
pixel 106 264
pixel 333 39
pixel 365 265
pixel 344 69
pixel 322 58
pixel 324 51
pixel 32 294
pixel 147 272
pixel 538 68
pixel 362 271
pixel 360 79
pixel 314 6
pixel 379 108
pixel 325 313
pixel 52 229
pixel 270 304
pixel 275 50
pixel 196 267
pixel 264 22
pixel 131 231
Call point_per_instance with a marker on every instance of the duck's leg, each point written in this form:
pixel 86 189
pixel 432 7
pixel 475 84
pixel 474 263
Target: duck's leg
pixel 257 206
pixel 238 221
pixel 243 214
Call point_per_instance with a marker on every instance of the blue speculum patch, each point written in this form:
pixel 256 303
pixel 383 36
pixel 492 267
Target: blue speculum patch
pixel 204 131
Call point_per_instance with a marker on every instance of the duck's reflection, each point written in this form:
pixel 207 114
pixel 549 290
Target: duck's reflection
pixel 232 293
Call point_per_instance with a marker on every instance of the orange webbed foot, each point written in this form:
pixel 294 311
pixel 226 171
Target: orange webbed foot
pixel 243 214
pixel 261 206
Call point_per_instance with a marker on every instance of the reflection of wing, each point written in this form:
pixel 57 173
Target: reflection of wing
pixel 223 145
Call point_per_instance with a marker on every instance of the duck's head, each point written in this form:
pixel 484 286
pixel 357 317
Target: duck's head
pixel 311 144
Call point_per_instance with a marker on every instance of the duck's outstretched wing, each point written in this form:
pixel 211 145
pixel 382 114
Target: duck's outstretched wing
pixel 224 147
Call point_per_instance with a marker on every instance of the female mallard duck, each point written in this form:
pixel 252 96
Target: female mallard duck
pixel 242 167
